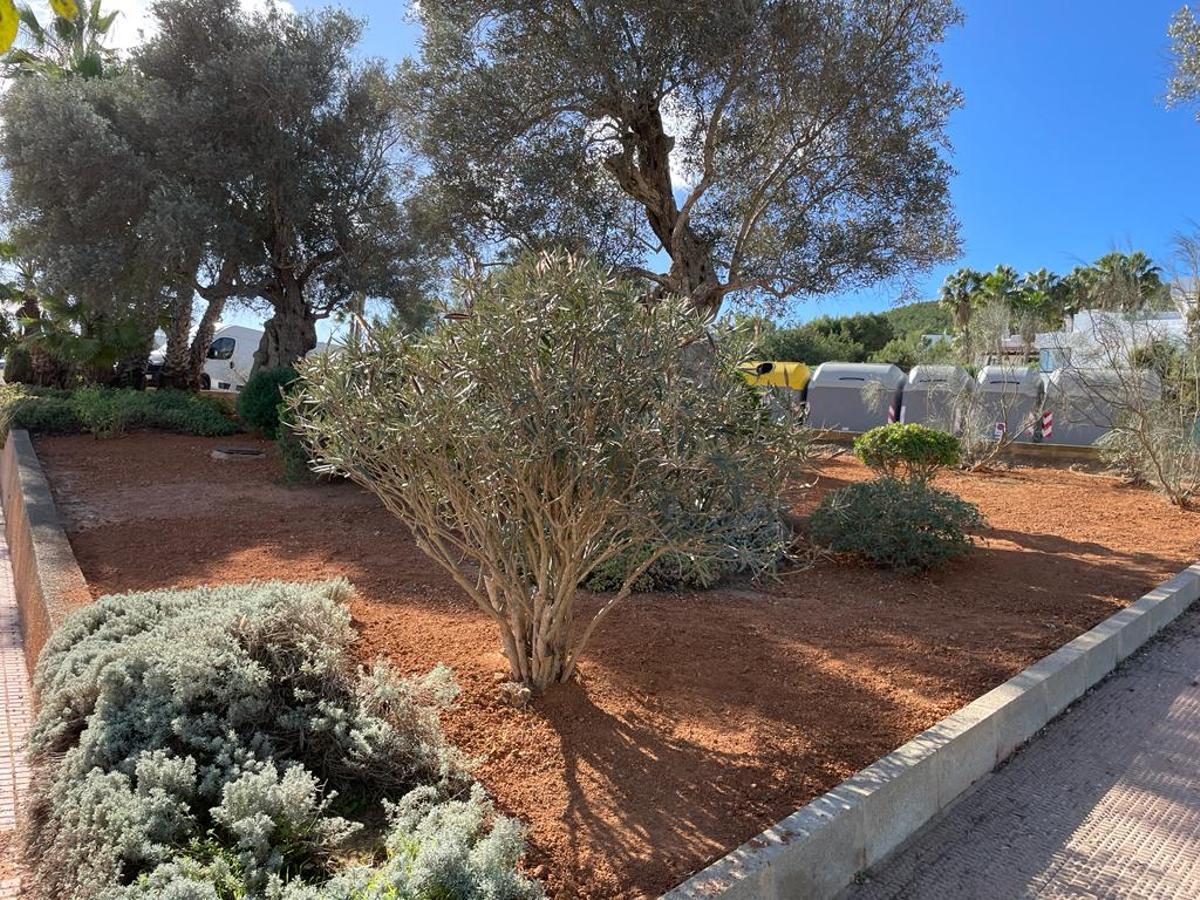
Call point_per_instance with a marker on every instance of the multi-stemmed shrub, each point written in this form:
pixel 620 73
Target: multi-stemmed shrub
pixel 903 525
pixel 561 421
pixel 222 742
pixel 909 452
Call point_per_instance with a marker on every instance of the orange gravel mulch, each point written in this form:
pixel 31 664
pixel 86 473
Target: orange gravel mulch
pixel 698 719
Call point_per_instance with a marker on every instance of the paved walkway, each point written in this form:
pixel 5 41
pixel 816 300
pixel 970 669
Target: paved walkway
pixel 15 717
pixel 1105 803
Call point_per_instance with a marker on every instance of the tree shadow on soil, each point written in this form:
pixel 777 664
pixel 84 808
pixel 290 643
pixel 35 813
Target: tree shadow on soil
pixel 653 805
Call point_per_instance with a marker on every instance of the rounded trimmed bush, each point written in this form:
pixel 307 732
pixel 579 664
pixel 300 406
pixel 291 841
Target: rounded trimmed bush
pixel 258 403
pixel 903 525
pixel 909 452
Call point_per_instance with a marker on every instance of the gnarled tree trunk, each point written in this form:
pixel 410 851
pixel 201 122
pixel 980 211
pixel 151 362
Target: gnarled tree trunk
pixel 198 352
pixel 643 169
pixel 291 332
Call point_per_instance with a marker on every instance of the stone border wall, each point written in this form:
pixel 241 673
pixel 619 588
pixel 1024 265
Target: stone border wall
pixel 816 852
pixel 46 576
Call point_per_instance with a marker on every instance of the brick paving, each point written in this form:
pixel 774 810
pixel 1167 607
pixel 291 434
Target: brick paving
pixel 1105 803
pixel 15 718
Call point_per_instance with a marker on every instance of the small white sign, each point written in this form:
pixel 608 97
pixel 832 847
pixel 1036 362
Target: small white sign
pixel 1001 427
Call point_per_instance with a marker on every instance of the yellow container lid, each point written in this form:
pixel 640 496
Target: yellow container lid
pixel 792 375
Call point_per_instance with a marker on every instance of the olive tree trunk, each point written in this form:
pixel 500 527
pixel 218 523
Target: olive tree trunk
pixel 643 169
pixel 290 333
pixel 198 351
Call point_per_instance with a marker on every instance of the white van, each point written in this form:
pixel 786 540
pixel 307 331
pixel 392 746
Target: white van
pixel 229 361
pixel 230 358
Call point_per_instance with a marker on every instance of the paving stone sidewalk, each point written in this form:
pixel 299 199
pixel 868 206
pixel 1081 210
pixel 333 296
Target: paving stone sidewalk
pixel 15 718
pixel 1104 803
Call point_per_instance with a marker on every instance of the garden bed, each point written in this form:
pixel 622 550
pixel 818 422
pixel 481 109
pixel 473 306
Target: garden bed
pixel 699 719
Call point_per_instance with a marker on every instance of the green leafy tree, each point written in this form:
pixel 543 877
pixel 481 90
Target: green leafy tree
pixel 958 296
pixel 809 345
pixel 181 177
pixel 1106 283
pixel 769 150
pixel 295 187
pixel 1184 85
pixel 81 165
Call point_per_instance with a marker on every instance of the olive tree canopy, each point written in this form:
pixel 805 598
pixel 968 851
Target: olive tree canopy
pixel 769 148
pixel 286 150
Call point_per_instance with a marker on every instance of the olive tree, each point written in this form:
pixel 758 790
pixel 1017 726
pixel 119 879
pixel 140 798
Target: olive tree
pixel 286 150
pixel 768 149
pixel 551 426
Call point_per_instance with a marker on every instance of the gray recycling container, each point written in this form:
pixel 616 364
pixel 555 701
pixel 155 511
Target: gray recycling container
pixel 1009 399
pixel 854 396
pixel 1085 402
pixel 937 396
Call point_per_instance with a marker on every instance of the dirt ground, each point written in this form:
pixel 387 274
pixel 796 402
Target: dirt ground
pixel 699 719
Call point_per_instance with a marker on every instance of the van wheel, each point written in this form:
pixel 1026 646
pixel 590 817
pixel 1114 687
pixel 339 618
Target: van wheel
pixel 205 383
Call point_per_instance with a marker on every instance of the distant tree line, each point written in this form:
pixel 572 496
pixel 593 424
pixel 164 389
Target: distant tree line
pixel 1008 303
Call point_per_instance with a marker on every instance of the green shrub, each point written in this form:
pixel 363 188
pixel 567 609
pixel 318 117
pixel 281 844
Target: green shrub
pixel 18 367
pixel 910 452
pixel 107 412
pixel 759 541
pixel 563 423
pixel 258 403
pixel 180 412
pixel 904 525
pixel 226 737
pixel 456 849
pixel 44 415
pixel 103 412
pixel 293 454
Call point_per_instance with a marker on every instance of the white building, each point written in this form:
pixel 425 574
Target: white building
pixel 1098 339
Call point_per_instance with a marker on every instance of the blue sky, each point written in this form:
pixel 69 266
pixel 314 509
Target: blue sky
pixel 1063 147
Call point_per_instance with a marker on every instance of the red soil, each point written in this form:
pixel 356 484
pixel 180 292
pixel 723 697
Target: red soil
pixel 698 719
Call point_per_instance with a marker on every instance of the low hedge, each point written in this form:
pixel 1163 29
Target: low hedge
pixel 107 412
pixel 224 743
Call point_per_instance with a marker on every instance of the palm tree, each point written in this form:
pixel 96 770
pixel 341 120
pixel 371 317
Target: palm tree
pixel 958 295
pixel 1123 282
pixel 67 46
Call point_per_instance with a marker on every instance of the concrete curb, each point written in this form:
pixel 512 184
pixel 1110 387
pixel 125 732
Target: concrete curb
pixel 816 852
pixel 46 576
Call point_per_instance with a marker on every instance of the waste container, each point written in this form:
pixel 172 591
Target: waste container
pixel 784 385
pixel 937 396
pixel 1008 402
pixel 791 375
pixel 1084 403
pixel 854 396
